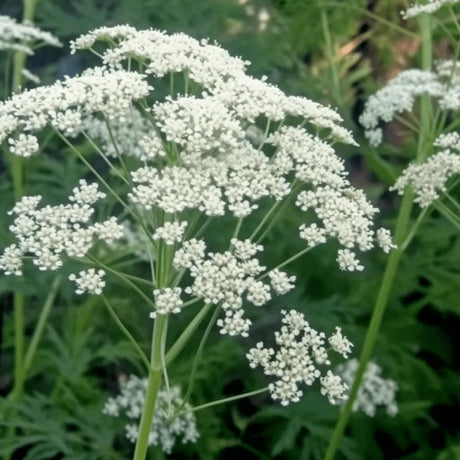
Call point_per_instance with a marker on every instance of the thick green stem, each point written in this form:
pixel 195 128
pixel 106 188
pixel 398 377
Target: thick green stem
pixel 152 389
pixel 401 232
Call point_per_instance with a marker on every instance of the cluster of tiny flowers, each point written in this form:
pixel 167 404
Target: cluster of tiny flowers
pixel 49 232
pixel 23 37
pixel 170 232
pixel 167 426
pixel 227 279
pixel 66 103
pixel 128 135
pixel 374 391
pixel 400 93
pixel 429 7
pixel 201 152
pixel 89 281
pixel 167 300
pixel 300 359
pixel 429 178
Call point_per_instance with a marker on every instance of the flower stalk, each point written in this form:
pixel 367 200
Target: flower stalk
pixel 401 232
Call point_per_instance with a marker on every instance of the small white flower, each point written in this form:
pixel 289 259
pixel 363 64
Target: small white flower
pixel 384 240
pixel 89 281
pixel 167 425
pixel 167 300
pixel 299 358
pixel 429 179
pixel 312 234
pixel 281 282
pixel 333 387
pixel 374 391
pixel 347 260
pixel 340 343
pixel 171 232
pixel 429 7
pixel 24 146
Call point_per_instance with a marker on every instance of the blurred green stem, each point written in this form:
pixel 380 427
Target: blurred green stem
pixel 224 400
pixel 15 164
pixel 42 320
pixel 337 94
pixel 401 232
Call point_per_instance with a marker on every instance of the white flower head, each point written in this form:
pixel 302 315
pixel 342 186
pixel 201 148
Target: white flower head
pixel 430 6
pixel 375 391
pixel 300 358
pixel 347 261
pixel 171 232
pixel 90 281
pixel 167 300
pixel 167 426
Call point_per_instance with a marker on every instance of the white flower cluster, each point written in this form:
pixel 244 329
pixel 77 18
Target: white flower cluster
pixel 132 136
pixel 429 178
pixel 89 281
pixel 166 426
pixel 374 390
pixel 64 104
pixel 400 93
pixel 227 279
pixel 204 63
pixel 429 7
pixel 210 161
pixel 23 37
pixel 300 357
pixel 51 231
pixel 167 300
pixel 170 232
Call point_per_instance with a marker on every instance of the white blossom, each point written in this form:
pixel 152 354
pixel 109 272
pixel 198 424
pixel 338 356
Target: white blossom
pixel 313 234
pixel 299 359
pixel 50 232
pixel 281 282
pixel 170 232
pixel 384 240
pixel 401 92
pixel 167 426
pixel 16 36
pixel 430 6
pixel 374 391
pixel 24 146
pixel 347 260
pixel 429 179
pixel 90 281
pixel 340 343
pixel 167 300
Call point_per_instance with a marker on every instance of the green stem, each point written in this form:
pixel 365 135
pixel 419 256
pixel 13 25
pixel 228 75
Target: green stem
pixel 180 343
pixel 198 355
pixel 287 261
pixel 153 387
pixel 374 326
pixel 43 318
pixel 126 280
pixel 224 400
pixel 331 58
pixel 401 231
pixel 125 331
pixel 15 164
